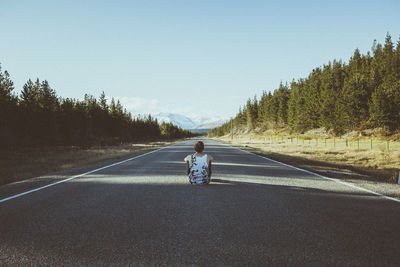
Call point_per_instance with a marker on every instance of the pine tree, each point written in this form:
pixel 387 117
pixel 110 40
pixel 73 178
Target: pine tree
pixel 48 115
pixel 283 95
pixel 251 113
pixel 271 111
pixel 388 60
pixel 355 94
pixel 47 97
pixel 28 95
pixel 396 61
pixel 384 108
pixel 262 110
pixel 312 100
pixel 29 102
pixel 332 110
pixel 113 108
pixel 103 101
pixel 8 109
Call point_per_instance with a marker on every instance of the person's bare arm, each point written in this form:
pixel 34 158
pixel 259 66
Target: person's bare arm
pixel 209 169
pixel 187 159
pixel 210 159
pixel 187 168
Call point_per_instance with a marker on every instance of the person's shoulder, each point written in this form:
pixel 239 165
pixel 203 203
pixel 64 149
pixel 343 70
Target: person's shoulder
pixel 187 158
pixel 210 158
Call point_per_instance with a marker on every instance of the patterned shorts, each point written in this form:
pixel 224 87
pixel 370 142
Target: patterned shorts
pixel 198 180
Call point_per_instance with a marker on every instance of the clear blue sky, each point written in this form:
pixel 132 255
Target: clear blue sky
pixel 199 58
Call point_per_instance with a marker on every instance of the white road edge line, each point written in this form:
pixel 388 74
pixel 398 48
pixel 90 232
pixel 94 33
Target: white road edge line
pixel 324 177
pixel 80 175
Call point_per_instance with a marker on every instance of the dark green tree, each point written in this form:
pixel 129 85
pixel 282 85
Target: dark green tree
pixel 339 97
pixel 8 110
pixel 283 95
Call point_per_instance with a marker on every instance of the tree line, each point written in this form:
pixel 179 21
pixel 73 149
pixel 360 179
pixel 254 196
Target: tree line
pixel 37 116
pixel 340 97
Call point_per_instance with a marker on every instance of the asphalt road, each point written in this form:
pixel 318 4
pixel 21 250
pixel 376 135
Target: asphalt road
pixel 255 212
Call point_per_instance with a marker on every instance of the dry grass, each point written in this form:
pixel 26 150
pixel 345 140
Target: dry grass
pixel 379 162
pixel 21 164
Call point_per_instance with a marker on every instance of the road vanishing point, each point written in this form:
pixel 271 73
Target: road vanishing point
pixel 143 212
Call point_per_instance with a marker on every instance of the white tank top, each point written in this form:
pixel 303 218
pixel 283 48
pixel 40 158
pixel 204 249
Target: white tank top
pixel 198 169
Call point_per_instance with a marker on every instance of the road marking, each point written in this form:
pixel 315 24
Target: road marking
pixel 80 175
pixel 324 177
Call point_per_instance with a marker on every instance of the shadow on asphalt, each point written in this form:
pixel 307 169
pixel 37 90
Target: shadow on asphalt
pixel 242 187
pixel 254 213
pixel 118 219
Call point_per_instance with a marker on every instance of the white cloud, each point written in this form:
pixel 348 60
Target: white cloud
pixel 144 106
pixel 185 116
pixel 140 105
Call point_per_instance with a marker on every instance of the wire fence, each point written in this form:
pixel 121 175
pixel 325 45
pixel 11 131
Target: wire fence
pixel 363 151
pixel 361 143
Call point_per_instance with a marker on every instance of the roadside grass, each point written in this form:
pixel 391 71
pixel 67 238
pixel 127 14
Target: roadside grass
pixel 24 163
pixel 382 161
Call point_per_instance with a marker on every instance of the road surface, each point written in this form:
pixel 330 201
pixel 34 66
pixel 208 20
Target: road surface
pixel 143 212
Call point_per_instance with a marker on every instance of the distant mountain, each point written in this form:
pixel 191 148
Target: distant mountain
pixel 199 130
pixel 210 125
pixel 187 123
pixel 177 119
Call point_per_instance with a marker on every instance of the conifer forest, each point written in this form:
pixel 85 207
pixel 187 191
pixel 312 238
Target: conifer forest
pixel 38 116
pixel 339 97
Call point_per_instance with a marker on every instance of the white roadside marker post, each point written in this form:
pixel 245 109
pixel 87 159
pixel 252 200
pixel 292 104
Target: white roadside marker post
pixel 231 128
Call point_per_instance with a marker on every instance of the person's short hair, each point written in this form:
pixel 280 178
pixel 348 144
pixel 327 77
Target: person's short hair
pixel 199 146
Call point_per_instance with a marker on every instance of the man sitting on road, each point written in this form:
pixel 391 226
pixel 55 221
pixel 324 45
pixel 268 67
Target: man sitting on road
pixel 198 165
